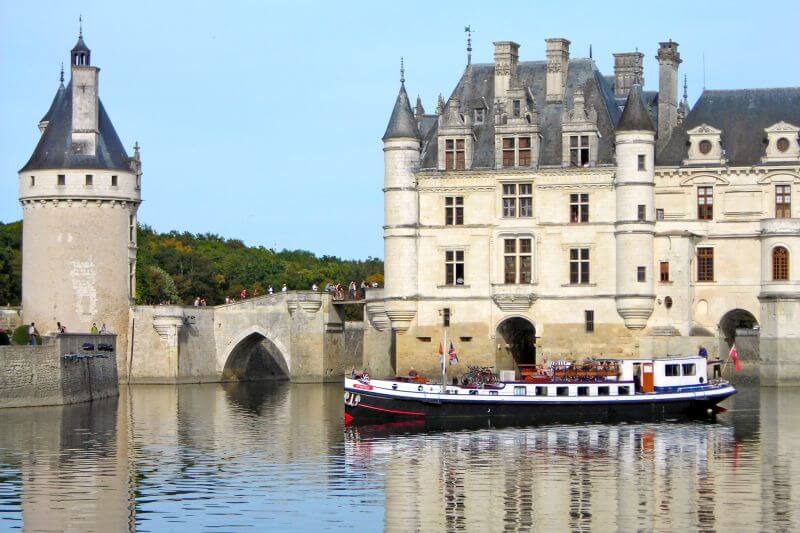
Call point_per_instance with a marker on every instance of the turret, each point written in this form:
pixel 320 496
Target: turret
pixel 401 152
pixel 635 217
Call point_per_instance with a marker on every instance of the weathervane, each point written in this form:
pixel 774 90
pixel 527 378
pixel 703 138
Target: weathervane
pixel 402 71
pixel 80 26
pixel 62 72
pixel 468 29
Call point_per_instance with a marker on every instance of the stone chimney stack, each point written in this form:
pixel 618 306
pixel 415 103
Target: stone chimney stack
pixel 506 58
pixel 668 61
pixel 628 67
pixel 557 63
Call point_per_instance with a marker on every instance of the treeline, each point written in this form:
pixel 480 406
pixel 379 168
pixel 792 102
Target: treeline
pixel 178 267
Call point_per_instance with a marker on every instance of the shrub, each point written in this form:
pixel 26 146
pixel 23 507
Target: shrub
pixel 20 335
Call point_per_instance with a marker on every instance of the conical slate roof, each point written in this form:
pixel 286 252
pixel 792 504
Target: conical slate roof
pixel 635 116
pixel 59 96
pixel 54 150
pixel 80 46
pixel 402 123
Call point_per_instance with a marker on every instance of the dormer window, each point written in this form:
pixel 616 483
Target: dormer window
pixel 454 154
pixel 480 116
pixel 782 144
pixel 705 146
pixel 579 150
pixel 516 152
pixel 517 108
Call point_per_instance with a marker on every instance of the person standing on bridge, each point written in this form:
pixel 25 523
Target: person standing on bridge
pixel 243 294
pixel 314 287
pixel 284 289
pixel 352 290
pixel 270 290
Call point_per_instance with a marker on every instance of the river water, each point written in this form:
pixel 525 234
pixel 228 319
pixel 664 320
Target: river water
pixel 276 457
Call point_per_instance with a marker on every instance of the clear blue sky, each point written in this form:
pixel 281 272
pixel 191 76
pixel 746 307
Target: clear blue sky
pixel 262 121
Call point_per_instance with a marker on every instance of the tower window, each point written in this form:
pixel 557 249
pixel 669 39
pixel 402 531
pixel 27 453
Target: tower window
pixel 33 181
pixel 780 264
pixel 454 154
pixel 454 267
pixel 783 201
pixel 641 213
pixel 664 271
pixel 705 264
pixel 641 274
pixel 579 150
pixel 113 181
pixel 578 266
pixel 62 179
pixel 705 203
pixel 578 208
pixel 588 317
pixel 89 179
pixel 517 108
pixel 659 214
pixel 454 210
pixel 480 115
pixel 641 160
pixel 517 262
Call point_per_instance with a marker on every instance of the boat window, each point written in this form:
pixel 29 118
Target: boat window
pixel 583 391
pixel 672 370
pixel 562 391
pixel 603 391
pixel 473 392
pixel 520 391
pixel 541 391
pixel 493 393
pixel 624 390
pixel 688 369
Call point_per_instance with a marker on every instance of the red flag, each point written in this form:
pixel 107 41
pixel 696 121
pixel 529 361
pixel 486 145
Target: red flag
pixel 441 350
pixel 735 356
pixel 452 354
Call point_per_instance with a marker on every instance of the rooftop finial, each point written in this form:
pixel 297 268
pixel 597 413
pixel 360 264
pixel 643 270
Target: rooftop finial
pixel 590 51
pixel 80 26
pixel 402 72
pixel 468 29
pixel 685 89
pixel 62 72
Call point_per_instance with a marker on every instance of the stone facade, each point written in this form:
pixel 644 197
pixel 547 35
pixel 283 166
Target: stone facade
pixel 619 258
pixel 47 374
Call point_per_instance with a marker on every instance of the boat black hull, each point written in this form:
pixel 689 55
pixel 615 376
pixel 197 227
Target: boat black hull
pixel 376 409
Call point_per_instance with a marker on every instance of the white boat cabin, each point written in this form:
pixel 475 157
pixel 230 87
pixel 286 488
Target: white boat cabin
pixel 652 375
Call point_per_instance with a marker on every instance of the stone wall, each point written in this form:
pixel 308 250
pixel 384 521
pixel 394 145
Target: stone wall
pixel 60 371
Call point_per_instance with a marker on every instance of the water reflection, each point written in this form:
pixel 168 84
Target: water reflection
pixel 275 456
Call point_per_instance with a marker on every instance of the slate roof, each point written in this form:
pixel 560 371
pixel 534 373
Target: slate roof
pixel 635 116
pixel 742 115
pixel 402 122
pixel 477 83
pixel 59 95
pixel 54 150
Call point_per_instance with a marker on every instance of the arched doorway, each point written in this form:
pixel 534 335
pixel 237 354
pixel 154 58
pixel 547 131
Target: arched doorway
pixel 255 358
pixel 516 343
pixel 740 327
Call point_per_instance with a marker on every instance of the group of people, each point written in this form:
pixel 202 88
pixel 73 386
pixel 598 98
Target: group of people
pixel 354 292
pixel 33 333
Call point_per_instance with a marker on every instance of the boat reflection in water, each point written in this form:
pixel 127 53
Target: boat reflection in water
pixel 276 457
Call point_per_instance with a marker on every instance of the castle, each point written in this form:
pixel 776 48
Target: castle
pixel 547 210
pixel 80 192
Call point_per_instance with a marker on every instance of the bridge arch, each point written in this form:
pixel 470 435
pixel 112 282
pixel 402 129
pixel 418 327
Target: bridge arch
pixel 255 355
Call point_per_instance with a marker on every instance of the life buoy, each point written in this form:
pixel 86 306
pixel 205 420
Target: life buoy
pixel 419 388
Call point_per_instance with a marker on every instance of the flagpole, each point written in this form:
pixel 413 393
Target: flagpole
pixel 444 363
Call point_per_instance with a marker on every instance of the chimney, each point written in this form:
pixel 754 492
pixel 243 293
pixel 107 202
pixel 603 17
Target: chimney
pixel 557 63
pixel 85 105
pixel 628 67
pixel 668 61
pixel 506 58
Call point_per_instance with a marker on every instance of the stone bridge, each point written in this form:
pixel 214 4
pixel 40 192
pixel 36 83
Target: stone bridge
pixel 298 335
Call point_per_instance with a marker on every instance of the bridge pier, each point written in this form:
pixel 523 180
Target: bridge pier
pixel 297 335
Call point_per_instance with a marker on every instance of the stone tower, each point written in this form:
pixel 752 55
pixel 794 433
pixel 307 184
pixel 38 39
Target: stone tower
pixel 79 193
pixel 635 218
pixel 401 150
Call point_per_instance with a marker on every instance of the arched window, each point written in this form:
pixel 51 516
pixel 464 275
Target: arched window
pixel 780 264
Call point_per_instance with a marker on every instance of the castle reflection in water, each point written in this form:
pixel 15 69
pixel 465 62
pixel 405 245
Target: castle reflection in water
pixel 276 455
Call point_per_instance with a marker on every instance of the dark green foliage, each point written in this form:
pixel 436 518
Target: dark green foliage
pixel 10 263
pixel 20 335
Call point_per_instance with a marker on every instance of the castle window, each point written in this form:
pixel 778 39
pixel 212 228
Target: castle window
pixel 113 181
pixel 509 151
pixel 517 195
pixel 480 115
pixel 780 264
pixel 579 150
pixel 578 265
pixel 641 274
pixel 89 179
pixel 131 229
pixel 524 151
pixel 705 203
pixel 783 144
pixel 517 108
pixel 641 160
pixel 62 179
pixel 517 263
pixel 641 213
pixel 516 152
pixel 659 214
pixel 588 318
pixel 454 154
pixel 705 146
pixel 33 181
pixel 131 279
pixel 578 208
pixel 783 201
pixel 454 267
pixel 664 271
pixel 454 210
pixel 705 264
